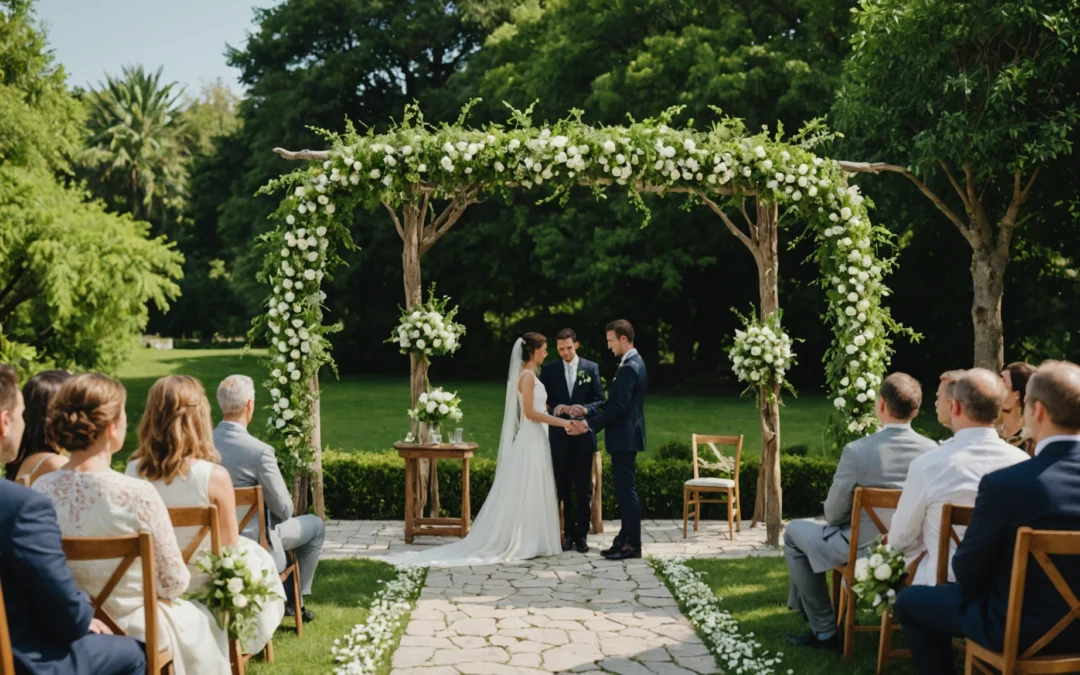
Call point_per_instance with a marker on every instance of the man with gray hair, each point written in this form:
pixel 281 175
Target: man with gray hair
pixel 251 462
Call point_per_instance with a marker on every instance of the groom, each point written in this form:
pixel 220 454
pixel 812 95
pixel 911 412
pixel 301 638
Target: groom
pixel 623 416
pixel 572 381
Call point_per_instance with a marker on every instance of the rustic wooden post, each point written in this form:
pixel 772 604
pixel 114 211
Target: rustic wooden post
pixel 316 446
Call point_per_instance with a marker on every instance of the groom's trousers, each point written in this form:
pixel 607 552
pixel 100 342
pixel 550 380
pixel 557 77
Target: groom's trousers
pixel 623 472
pixel 573 481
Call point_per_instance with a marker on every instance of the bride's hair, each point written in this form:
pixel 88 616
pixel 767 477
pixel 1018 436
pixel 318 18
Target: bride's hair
pixel 530 342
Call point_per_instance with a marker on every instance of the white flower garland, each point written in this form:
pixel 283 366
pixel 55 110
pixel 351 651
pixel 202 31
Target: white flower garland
pixel 762 353
pixel 737 652
pixel 452 159
pixel 368 644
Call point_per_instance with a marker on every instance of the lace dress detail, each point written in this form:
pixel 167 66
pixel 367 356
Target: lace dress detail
pixel 109 504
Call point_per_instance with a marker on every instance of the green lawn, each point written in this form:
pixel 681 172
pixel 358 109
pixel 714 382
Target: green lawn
pixel 368 413
pixel 755 591
pixel 343 591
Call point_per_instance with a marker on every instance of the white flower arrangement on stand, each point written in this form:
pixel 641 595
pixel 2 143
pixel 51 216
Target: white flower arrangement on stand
pixel 436 406
pixel 429 329
pixel 762 354
pixel 737 652
pixel 368 645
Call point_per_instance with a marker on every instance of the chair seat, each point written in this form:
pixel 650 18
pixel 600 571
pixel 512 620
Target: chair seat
pixel 710 482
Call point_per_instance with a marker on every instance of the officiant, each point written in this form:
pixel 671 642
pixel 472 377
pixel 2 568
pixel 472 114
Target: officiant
pixel 572 384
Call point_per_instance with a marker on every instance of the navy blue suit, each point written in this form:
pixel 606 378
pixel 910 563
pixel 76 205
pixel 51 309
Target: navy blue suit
pixel 47 615
pixel 622 417
pixel 1042 493
pixel 572 456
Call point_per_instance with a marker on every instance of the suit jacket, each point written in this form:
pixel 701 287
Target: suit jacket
pixel 46 612
pixel 879 460
pixel 622 415
pixel 553 376
pixel 1042 493
pixel 251 462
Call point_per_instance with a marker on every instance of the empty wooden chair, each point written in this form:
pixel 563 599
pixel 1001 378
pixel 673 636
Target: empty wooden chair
pixel 699 485
pixel 7 658
pixel 843 576
pixel 252 497
pixel 1040 545
pixel 127 548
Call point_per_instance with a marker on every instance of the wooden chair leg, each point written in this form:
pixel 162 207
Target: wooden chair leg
pixel 836 596
pixel 298 609
pixel 685 510
pixel 697 509
pixel 738 510
pixel 268 652
pixel 730 517
pixel 235 658
pixel 884 642
pixel 969 663
pixel 849 623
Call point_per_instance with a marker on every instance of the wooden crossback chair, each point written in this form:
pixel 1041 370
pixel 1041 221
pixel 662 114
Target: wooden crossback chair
pixel 694 488
pixel 252 497
pixel 1040 545
pixel 843 576
pixel 206 518
pixel 952 516
pixel 7 656
pixel 159 658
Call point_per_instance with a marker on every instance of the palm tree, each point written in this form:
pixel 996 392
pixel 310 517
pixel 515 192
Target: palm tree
pixel 137 159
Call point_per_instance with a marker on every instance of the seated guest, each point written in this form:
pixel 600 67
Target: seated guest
pixel 812 547
pixel 251 462
pixel 176 454
pixel 36 458
pixel 51 622
pixel 1016 376
pixel 87 419
pixel 1042 493
pixel 953 471
pixel 943 400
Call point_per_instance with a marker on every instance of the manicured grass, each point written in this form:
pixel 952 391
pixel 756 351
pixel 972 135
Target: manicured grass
pixel 368 413
pixel 343 591
pixel 755 591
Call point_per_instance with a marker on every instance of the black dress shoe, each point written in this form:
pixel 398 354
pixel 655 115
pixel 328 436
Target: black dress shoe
pixel 626 553
pixel 581 545
pixel 810 639
pixel 306 614
pixel 567 544
pixel 615 546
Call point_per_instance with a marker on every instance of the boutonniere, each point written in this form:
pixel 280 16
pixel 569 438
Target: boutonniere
pixel 583 377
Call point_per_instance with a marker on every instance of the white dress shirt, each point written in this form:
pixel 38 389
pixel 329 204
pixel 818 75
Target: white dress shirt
pixel 951 473
pixel 571 373
pixel 1068 438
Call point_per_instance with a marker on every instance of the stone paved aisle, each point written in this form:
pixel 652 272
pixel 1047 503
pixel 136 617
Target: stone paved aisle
pixel 570 613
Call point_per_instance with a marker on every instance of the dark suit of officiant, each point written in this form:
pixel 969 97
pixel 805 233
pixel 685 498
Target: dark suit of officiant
pixel 572 456
pixel 48 616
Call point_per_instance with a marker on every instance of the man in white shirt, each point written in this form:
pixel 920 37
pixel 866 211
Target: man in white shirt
pixel 952 472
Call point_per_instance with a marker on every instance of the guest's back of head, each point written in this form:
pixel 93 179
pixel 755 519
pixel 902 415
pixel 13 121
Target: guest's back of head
pixel 83 410
pixel 1053 400
pixel 38 393
pixel 234 395
pixel 977 398
pixel 11 417
pixel 943 400
pixel 901 395
pixel 175 428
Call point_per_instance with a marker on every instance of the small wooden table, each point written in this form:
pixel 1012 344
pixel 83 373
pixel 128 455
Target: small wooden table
pixel 447 527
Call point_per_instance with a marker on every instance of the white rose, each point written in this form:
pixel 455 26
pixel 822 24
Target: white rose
pixel 443 409
pixel 235 585
pixel 240 601
pixel 431 406
pixel 227 563
pixel 279 423
pixel 876 560
pixel 882 572
pixel 862 569
pixel 839 402
pixel 609 147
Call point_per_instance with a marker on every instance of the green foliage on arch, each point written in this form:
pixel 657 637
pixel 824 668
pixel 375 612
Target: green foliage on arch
pixel 725 161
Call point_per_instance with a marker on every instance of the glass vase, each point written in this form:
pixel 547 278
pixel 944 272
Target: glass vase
pixel 434 435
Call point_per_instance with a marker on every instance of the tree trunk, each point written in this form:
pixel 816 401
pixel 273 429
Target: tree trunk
pixel 767 505
pixel 427 479
pixel 316 445
pixel 988 281
pixel 301 483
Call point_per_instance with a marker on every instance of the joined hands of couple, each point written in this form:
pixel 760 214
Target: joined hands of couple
pixel 577 414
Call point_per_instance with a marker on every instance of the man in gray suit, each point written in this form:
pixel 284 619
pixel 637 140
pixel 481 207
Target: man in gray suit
pixel 251 462
pixel 812 547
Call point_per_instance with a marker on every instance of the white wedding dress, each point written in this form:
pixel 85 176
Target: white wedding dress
pixel 520 516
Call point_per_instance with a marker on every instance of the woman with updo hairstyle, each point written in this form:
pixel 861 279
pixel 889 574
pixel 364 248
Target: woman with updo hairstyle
pixel 86 418
pixel 36 457
pixel 176 455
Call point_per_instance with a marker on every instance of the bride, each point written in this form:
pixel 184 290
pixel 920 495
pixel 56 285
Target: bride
pixel 520 518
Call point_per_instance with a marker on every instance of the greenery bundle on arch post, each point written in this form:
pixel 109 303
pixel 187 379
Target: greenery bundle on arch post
pixel 426 176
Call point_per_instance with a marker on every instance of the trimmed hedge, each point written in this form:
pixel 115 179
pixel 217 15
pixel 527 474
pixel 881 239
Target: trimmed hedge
pixel 368 486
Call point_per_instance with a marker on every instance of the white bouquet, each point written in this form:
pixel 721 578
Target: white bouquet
pixel 436 406
pixel 879 576
pixel 762 353
pixel 429 329
pixel 236 592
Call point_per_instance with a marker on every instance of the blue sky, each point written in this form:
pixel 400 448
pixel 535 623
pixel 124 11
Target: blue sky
pixel 186 37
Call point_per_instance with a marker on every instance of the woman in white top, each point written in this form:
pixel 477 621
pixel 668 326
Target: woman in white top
pixel 36 458
pixel 176 455
pixel 87 419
